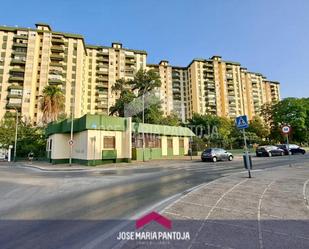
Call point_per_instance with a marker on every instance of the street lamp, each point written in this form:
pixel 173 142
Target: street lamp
pixel 16 130
pixel 143 119
pixel 71 137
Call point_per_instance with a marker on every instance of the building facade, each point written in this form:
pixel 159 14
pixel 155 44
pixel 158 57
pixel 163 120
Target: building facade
pixel 31 59
pixel 218 87
pixel 102 139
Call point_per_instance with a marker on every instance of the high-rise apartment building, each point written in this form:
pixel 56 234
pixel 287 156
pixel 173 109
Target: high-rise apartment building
pixel 219 87
pixel 31 59
pixel 104 66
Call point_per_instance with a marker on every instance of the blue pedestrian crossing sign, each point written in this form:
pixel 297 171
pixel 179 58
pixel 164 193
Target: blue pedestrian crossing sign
pixel 242 122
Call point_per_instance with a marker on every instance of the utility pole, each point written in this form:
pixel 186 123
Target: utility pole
pixel 16 130
pixel 246 153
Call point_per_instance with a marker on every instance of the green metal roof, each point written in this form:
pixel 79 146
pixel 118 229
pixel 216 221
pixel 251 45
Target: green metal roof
pixel 88 122
pixel 162 129
pixel 109 123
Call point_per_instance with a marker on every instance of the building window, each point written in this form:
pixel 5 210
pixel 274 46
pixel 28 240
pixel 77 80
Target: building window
pixel 169 143
pixel 181 143
pixel 109 142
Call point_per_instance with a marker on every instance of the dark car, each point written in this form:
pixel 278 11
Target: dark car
pixel 216 154
pixel 269 151
pixel 294 149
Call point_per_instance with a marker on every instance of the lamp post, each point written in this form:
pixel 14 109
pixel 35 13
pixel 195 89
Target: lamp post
pixel 143 134
pixel 16 131
pixel 71 136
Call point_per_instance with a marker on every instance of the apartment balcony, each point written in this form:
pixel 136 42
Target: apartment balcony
pixel 20 45
pixel 57 57
pixel 176 77
pixel 211 103
pixel 209 70
pixel 101 65
pixel 102 72
pixel 101 53
pixel 129 72
pixel 231 93
pixel 176 91
pixel 211 76
pixel 102 85
pixel 22 37
pixel 56 72
pixel 18 61
pixel 129 62
pixel 59 41
pixel 13 105
pixel 210 86
pixel 20 53
pixel 55 81
pixel 101 99
pixel 17 70
pixel 56 64
pixel 102 59
pixel 17 87
pixel 58 48
pixel 102 79
pixel 14 96
pixel 101 106
pixel 130 56
pixel 16 79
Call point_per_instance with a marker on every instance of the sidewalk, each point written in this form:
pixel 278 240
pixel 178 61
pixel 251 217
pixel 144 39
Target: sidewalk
pixel 270 210
pixel 45 166
pixel 41 165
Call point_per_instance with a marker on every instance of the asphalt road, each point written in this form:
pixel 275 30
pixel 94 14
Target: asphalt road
pixel 81 209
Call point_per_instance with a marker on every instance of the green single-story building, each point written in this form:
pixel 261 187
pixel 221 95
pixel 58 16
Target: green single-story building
pixel 99 139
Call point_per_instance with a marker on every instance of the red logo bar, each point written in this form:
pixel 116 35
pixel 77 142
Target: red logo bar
pixel 153 216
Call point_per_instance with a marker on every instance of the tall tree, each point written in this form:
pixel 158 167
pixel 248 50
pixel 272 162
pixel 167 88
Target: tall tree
pixel 52 103
pixel 129 97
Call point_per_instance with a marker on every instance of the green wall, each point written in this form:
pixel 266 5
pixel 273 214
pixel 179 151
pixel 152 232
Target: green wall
pixel 150 153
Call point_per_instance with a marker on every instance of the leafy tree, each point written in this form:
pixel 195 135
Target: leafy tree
pixel 29 139
pixel 258 126
pixel 130 94
pixel 172 119
pixel 52 103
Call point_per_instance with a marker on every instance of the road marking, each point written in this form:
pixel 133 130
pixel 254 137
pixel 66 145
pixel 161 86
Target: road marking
pixel 259 215
pixel 304 194
pixel 212 209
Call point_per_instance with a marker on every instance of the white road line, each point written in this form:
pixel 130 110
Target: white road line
pixel 212 209
pixel 259 215
pixel 304 194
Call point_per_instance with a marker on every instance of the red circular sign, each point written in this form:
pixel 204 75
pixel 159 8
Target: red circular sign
pixel 286 129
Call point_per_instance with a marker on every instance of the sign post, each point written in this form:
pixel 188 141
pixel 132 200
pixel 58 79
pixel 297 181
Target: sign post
pixel 286 129
pixel 242 123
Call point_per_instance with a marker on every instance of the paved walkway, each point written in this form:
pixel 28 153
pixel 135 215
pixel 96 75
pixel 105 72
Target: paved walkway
pixel 270 210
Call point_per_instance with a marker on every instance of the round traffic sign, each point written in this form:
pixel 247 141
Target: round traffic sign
pixel 286 129
pixel 71 142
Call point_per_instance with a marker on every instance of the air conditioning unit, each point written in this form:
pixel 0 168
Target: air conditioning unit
pixel 1 59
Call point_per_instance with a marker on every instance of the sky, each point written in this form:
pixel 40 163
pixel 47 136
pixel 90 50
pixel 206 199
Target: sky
pixel 266 36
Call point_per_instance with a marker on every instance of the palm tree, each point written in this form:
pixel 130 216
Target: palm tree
pixel 52 103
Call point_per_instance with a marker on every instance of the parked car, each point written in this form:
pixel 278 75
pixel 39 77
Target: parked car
pixel 294 149
pixel 269 151
pixel 216 154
